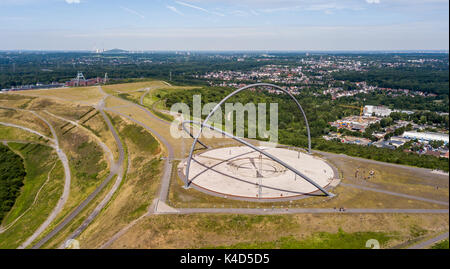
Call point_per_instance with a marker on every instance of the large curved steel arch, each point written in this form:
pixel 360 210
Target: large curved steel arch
pixel 260 151
pixel 203 124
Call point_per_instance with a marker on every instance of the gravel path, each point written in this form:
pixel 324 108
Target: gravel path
pixel 261 211
pixel 7 227
pixel 116 169
pixel 430 242
pixel 107 198
pixel 26 129
pixel 66 191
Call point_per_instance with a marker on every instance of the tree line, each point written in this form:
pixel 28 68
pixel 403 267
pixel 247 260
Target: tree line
pixel 425 79
pixel 320 111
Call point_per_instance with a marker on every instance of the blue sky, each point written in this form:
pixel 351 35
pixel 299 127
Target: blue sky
pixel 224 25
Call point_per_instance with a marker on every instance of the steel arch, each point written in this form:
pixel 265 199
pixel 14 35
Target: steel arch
pixel 187 182
pixel 260 151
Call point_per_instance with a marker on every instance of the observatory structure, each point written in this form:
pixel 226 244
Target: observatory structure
pixel 255 172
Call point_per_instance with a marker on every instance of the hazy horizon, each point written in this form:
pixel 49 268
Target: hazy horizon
pixel 443 51
pixel 211 25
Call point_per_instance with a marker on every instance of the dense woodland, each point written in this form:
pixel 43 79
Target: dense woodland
pixel 430 77
pixel 425 79
pixel 12 174
pixel 45 67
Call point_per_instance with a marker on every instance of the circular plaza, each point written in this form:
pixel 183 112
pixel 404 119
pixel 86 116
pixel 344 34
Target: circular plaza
pixel 243 173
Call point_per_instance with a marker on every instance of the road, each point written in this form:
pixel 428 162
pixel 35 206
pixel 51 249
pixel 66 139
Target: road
pixel 7 227
pixel 430 242
pixel 109 195
pixel 119 170
pixel 26 129
pixel 261 211
pixel 166 182
pixel 141 100
pixel 126 228
pixel 167 170
pixel 67 176
pixel 104 147
pixel 116 169
pixel 66 191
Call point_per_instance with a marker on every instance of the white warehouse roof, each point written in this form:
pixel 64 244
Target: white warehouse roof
pixel 426 136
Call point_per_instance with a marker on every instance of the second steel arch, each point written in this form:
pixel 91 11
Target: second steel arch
pixel 203 124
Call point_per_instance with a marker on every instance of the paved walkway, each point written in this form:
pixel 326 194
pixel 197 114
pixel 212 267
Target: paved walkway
pixel 7 227
pixel 116 169
pixel 165 209
pixel 26 129
pixel 67 179
pixel 266 211
pixel 430 242
pixel 107 198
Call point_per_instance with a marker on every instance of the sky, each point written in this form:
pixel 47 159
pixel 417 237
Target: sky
pixel 312 25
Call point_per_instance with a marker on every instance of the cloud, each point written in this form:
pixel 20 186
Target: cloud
pixel 239 13
pixel 174 9
pixel 129 10
pixel 373 1
pixel 73 1
pixel 199 8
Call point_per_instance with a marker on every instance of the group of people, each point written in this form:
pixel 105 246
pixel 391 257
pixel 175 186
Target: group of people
pixel 341 209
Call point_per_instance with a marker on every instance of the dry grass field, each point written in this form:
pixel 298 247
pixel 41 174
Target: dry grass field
pixel 60 238
pixel 203 230
pixel 64 109
pixel 138 189
pixel 393 178
pixel 10 133
pixel 25 119
pixel 130 87
pixel 42 188
pixel 12 100
pixel 88 165
pixel 347 197
pixel 143 171
pixel 83 95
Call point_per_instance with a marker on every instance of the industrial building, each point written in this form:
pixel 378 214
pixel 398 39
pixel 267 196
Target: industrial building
pixel 34 87
pixel 381 111
pixel 426 136
pixel 80 80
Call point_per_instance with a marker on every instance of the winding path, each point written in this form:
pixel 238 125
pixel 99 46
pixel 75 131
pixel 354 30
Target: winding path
pixel 107 198
pixel 430 242
pixel 27 130
pixel 159 207
pixel 7 227
pixel 67 176
pixel 64 197
pixel 116 169
pixel 261 211
pixel 165 181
